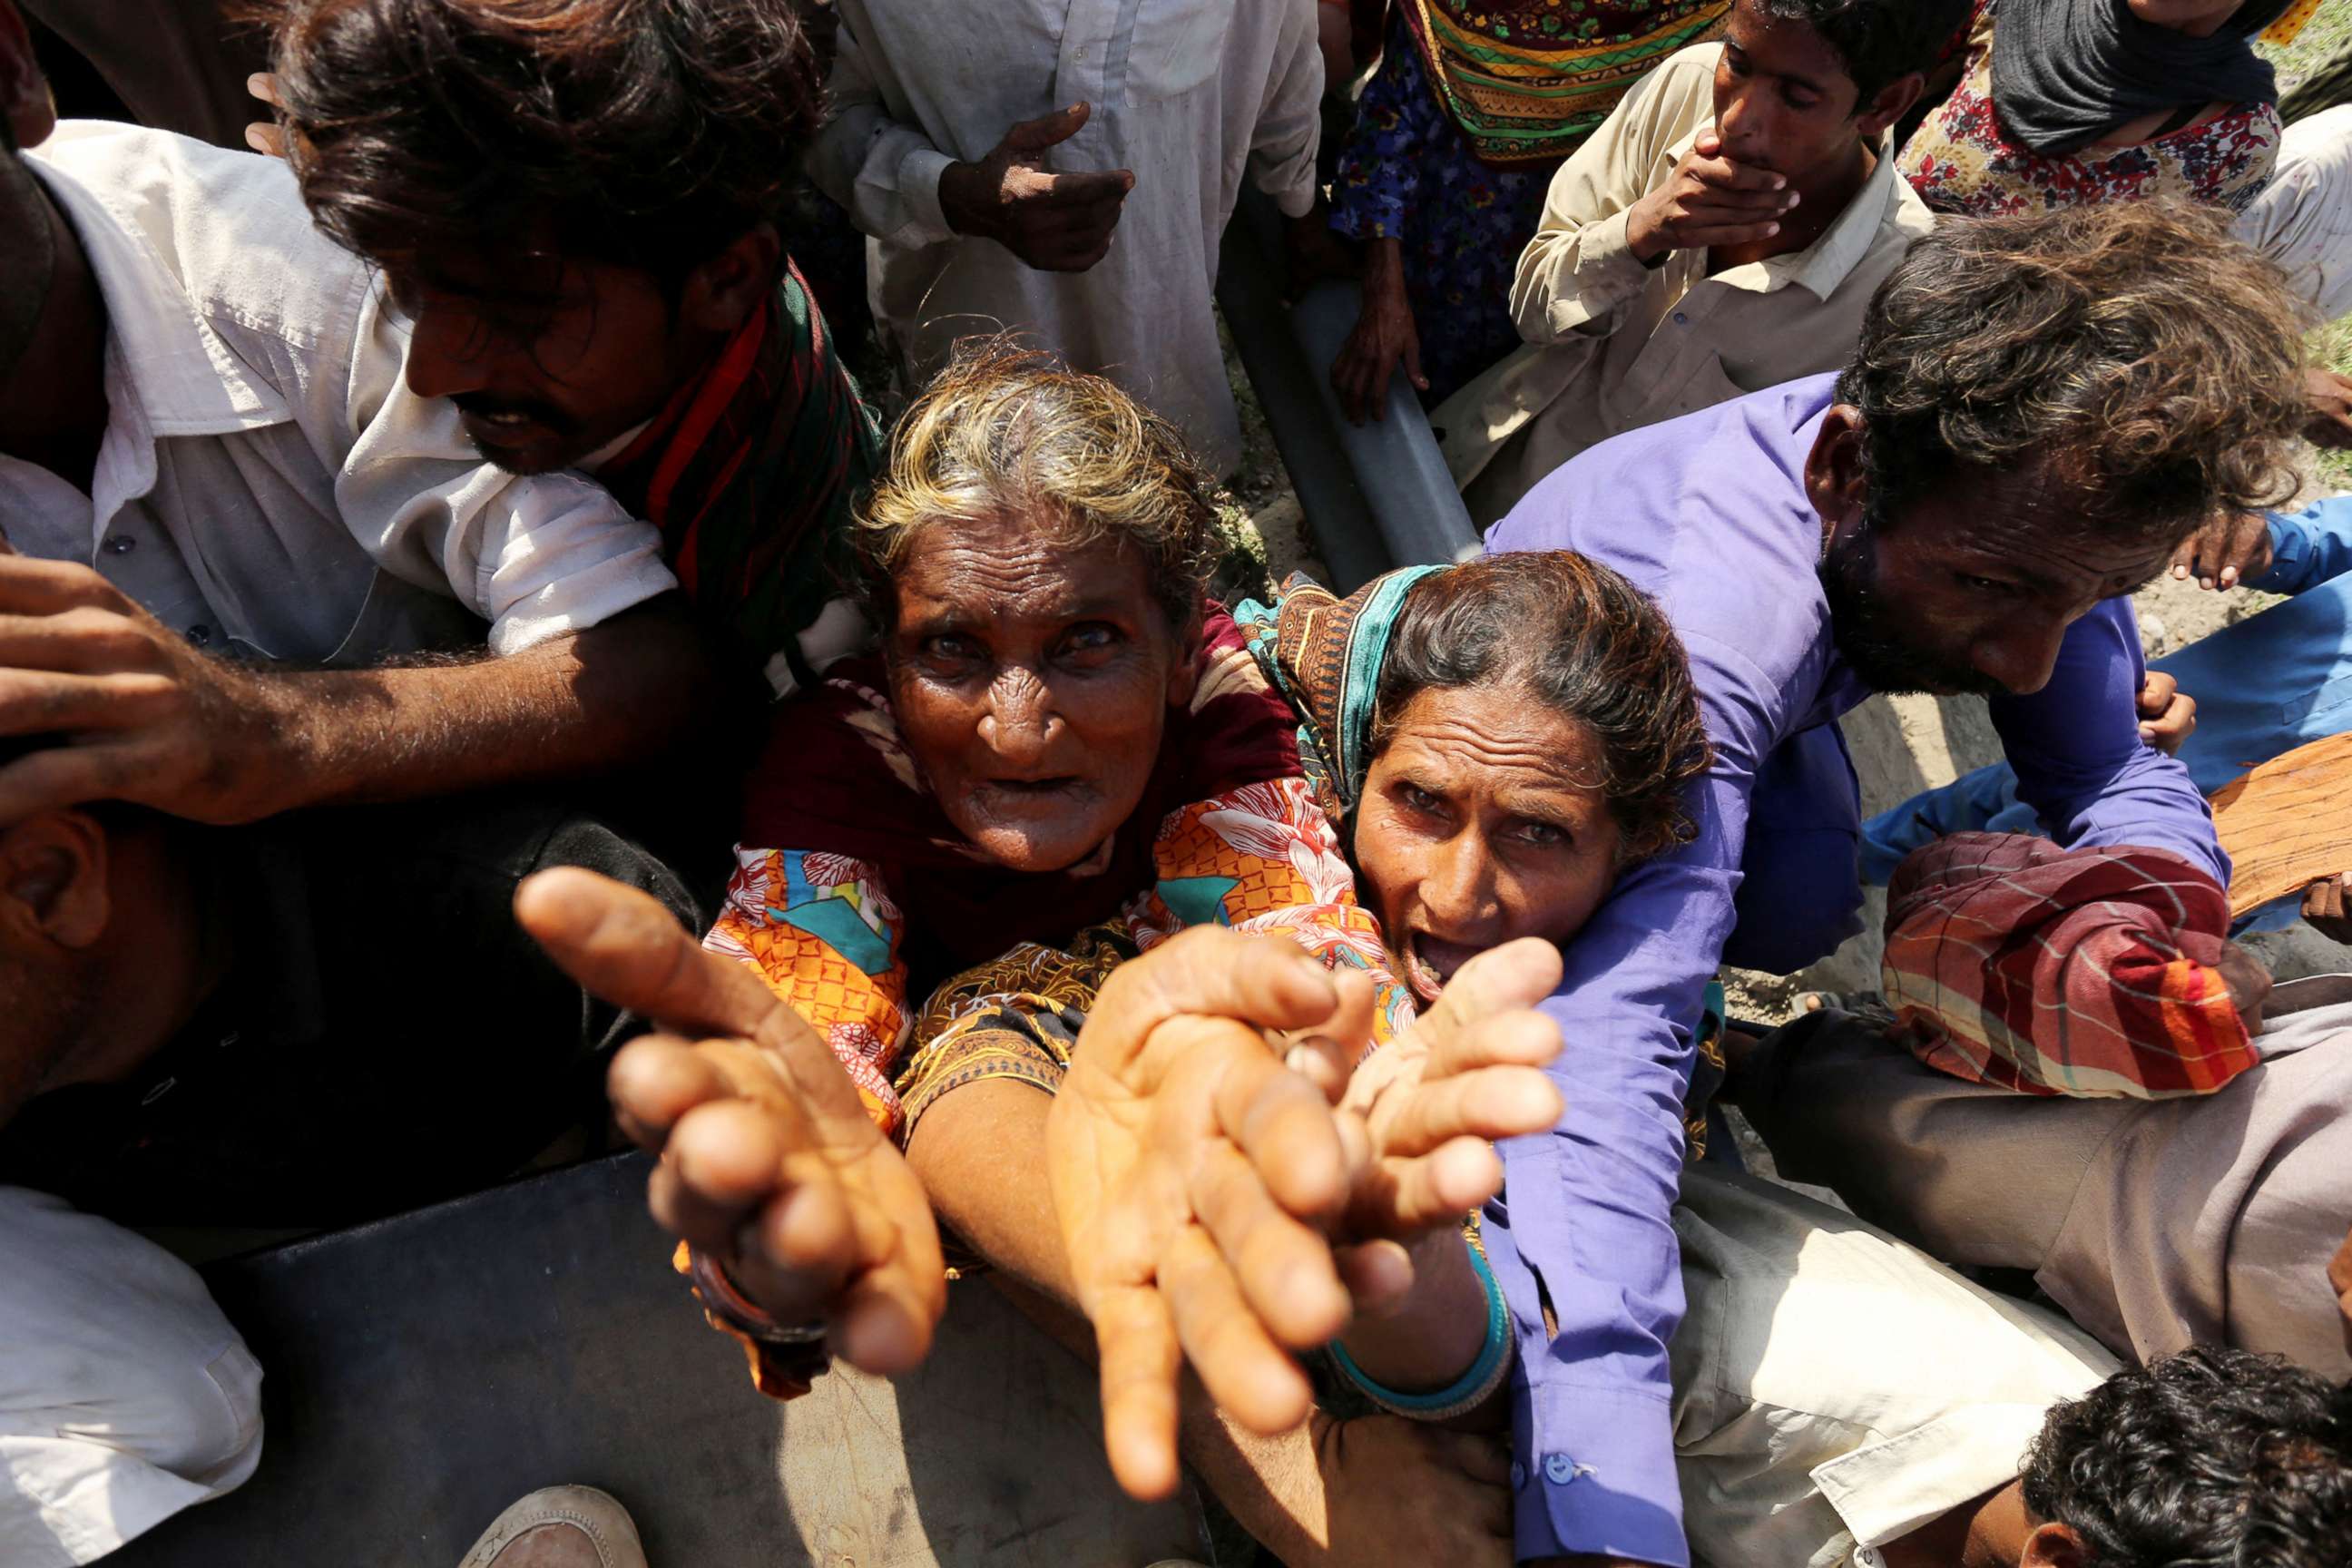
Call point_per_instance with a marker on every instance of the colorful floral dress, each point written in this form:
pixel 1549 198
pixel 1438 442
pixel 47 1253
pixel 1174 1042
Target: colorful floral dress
pixel 874 898
pixel 1406 173
pixel 1962 161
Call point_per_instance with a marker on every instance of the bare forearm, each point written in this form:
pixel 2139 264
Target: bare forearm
pixel 619 692
pixel 1432 1338
pixel 978 1152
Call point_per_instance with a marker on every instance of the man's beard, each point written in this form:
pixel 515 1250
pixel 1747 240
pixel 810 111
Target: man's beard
pixel 1869 632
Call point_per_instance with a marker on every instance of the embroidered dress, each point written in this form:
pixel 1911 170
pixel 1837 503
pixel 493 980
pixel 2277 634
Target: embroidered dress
pixel 1464 204
pixel 878 899
pixel 1962 161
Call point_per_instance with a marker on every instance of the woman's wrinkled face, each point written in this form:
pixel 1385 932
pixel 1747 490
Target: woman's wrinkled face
pixel 1032 683
pixel 1476 826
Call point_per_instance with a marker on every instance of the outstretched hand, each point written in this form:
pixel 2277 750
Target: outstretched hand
pixel 1469 1071
pixel 2226 551
pixel 769 1161
pixel 1190 1169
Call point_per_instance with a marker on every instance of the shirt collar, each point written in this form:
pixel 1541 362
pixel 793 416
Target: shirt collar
pixel 1824 266
pixel 185 379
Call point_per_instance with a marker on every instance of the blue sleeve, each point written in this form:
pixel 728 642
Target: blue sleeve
pixel 1378 178
pixel 2080 762
pixel 1588 1230
pixel 2308 547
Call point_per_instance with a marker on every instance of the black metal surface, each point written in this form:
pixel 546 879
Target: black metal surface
pixel 425 1372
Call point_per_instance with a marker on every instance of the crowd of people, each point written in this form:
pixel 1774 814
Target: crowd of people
pixel 473 667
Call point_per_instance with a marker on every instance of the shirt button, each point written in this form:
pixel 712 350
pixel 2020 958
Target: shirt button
pixel 200 634
pixel 1559 1470
pixel 1866 1558
pixel 1681 319
pixel 1518 1475
pixel 120 544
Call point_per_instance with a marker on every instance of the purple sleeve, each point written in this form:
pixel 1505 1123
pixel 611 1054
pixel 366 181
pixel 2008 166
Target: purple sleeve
pixel 2080 762
pixel 1586 1230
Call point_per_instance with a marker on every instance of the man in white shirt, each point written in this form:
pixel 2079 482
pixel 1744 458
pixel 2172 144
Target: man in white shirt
pixel 206 449
pixel 253 573
pixel 989 151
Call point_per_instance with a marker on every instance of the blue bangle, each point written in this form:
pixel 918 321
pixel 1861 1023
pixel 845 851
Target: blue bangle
pixel 1466 1391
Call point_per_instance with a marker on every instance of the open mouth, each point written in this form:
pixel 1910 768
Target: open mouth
pixel 1429 962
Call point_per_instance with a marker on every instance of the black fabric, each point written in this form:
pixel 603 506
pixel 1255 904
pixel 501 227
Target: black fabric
pixel 386 1035
pixel 2067 72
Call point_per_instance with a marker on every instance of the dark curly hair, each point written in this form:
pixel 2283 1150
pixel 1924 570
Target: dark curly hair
pixel 2211 1458
pixel 2134 344
pixel 647 134
pixel 1880 41
pixel 1584 642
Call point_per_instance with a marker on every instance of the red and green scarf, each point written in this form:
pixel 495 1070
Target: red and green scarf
pixel 751 474
pixel 1526 80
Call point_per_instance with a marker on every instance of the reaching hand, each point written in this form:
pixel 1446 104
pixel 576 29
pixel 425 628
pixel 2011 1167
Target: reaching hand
pixel 1187 1165
pixel 2324 906
pixel 1709 200
pixel 265 136
pixel 1055 223
pixel 1383 336
pixel 125 707
pixel 2168 715
pixel 2330 396
pixel 2225 552
pixel 768 1160
pixel 1468 1071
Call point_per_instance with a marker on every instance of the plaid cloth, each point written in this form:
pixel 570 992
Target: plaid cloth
pixel 2055 972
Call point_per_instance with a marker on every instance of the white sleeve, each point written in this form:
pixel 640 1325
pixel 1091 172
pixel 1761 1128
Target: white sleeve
pixel 538 557
pixel 1579 272
pixel 884 172
pixel 1290 124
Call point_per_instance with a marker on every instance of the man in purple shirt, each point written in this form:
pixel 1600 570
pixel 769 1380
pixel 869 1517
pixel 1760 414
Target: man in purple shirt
pixel 2040 410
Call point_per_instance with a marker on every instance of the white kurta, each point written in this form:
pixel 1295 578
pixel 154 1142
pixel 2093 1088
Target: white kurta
pixel 1192 95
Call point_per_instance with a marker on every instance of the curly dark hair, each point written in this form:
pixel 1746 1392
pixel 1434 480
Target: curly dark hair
pixel 1584 642
pixel 2134 344
pixel 1880 41
pixel 2218 1458
pixel 647 134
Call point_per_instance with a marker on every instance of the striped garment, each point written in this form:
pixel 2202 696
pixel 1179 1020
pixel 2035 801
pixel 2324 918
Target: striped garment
pixel 1528 80
pixel 2053 972
pixel 750 473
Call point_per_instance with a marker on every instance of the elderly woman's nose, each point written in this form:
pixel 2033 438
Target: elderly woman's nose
pixel 1018 722
pixel 1458 884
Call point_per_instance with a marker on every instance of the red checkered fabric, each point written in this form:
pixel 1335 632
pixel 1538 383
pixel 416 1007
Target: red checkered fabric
pixel 2057 971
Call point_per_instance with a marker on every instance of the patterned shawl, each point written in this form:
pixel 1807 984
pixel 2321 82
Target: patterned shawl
pixel 1324 653
pixel 750 473
pixel 2057 972
pixel 1525 80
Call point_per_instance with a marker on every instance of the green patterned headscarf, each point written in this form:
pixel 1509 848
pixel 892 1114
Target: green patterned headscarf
pixel 1324 653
